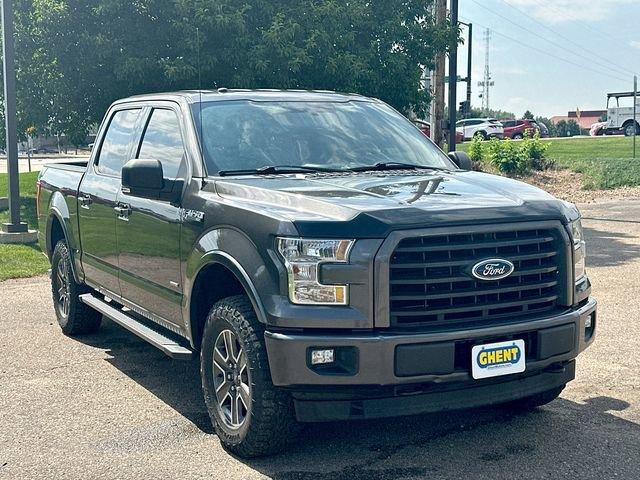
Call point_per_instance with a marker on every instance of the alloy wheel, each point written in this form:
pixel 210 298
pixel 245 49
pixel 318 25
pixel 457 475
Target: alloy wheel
pixel 231 380
pixel 63 287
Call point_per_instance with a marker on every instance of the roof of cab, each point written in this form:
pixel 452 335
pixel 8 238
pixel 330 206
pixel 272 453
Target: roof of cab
pixel 265 95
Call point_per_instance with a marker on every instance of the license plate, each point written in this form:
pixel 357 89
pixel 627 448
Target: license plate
pixel 495 359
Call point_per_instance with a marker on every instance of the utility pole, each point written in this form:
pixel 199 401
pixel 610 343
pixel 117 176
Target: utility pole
pixel 14 225
pixel 453 78
pixel 487 82
pixel 469 58
pixel 437 81
pixel 469 62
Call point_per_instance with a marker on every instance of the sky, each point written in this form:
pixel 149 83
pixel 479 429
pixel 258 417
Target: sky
pixel 551 56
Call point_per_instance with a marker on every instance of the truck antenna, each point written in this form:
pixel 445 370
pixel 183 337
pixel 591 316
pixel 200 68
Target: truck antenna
pixel 199 90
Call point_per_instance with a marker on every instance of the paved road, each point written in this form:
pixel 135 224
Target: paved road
pixel 109 406
pixel 37 162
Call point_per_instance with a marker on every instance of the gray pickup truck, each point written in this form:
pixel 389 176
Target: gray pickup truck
pixel 323 259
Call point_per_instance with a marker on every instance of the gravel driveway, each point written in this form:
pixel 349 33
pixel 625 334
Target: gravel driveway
pixel 110 406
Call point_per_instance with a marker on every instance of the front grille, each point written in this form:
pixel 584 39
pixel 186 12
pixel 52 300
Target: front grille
pixel 431 282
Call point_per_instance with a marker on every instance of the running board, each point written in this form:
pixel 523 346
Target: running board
pixel 155 338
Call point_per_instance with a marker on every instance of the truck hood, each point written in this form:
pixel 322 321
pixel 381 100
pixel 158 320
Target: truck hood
pixel 402 198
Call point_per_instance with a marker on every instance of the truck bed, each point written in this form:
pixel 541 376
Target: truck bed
pixel 73 165
pixel 58 191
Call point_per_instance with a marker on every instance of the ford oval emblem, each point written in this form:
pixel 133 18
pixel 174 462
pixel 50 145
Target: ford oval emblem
pixel 492 269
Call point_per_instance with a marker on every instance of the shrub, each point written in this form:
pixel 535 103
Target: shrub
pixel 507 157
pixel 536 151
pixel 476 149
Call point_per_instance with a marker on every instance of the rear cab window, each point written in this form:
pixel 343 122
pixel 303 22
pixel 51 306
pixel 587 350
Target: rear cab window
pixel 116 144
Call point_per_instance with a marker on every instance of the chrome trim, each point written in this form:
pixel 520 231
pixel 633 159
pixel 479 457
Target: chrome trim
pixel 142 312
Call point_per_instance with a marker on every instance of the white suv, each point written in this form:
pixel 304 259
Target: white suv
pixel 484 127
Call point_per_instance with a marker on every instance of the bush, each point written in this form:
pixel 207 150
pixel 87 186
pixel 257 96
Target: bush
pixel 511 158
pixel 536 152
pixel 507 157
pixel 476 150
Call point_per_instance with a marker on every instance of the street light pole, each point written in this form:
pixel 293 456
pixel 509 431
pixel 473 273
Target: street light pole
pixel 14 225
pixel 453 79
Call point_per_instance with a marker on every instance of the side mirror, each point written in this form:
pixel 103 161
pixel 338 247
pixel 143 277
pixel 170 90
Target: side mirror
pixel 462 160
pixel 142 178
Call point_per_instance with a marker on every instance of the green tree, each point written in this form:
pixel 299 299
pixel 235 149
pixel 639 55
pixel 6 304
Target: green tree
pixel 498 114
pixel 77 56
pixel 573 128
pixel 562 130
pixel 528 115
pixel 549 124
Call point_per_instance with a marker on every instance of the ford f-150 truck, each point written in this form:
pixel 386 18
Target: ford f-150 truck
pixel 323 259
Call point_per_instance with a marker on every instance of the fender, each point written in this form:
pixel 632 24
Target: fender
pixel 59 210
pixel 234 250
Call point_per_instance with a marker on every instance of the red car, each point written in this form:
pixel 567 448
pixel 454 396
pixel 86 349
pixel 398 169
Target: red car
pixel 425 127
pixel 516 129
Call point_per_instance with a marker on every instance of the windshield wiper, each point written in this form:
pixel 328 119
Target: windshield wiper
pixel 381 166
pixel 274 169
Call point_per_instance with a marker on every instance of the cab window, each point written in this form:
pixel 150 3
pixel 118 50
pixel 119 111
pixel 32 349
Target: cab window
pixel 117 142
pixel 162 141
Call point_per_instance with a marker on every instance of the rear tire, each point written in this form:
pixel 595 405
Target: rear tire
pixel 518 136
pixel 481 135
pixel 535 401
pixel 629 130
pixel 74 317
pixel 235 372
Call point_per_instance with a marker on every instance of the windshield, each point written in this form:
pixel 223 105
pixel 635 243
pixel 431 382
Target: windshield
pixel 244 135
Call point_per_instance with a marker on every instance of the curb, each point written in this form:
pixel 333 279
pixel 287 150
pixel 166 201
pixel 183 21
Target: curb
pixel 24 237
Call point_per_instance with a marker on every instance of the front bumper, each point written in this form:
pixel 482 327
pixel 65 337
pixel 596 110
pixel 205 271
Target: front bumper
pixel 437 358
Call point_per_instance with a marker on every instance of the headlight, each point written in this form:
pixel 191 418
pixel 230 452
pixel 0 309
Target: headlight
pixel 302 258
pixel 579 249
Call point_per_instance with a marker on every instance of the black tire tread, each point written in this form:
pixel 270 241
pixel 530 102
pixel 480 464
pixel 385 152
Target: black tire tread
pixel 272 423
pixel 82 319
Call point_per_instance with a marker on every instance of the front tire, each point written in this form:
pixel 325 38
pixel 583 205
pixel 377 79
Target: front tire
pixel 250 415
pixel 74 317
pixel 518 136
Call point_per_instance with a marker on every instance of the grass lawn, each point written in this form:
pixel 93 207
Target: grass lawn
pixel 17 261
pixel 27 184
pixel 603 162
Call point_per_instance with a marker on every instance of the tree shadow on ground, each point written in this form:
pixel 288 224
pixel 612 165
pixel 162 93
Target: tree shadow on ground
pixel 610 248
pixel 565 438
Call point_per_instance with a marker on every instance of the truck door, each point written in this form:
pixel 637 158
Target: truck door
pixel 148 230
pixel 97 199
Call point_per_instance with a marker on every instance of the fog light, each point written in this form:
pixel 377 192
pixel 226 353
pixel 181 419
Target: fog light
pixel 588 322
pixel 319 357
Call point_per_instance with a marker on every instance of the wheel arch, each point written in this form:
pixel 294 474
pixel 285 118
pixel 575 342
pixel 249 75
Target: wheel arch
pixel 58 228
pixel 219 272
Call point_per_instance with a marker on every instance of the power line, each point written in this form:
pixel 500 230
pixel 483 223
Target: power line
pixel 586 25
pixel 539 50
pixel 565 38
pixel 584 57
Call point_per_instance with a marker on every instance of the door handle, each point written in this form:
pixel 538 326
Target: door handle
pixel 123 210
pixel 84 201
